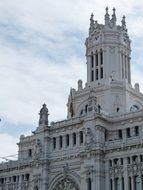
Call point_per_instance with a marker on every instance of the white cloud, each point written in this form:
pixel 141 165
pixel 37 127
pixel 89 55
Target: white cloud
pixel 8 147
pixel 42 52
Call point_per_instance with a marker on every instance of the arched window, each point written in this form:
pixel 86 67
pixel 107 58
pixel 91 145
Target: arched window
pixel 89 184
pixel 81 137
pixel 67 140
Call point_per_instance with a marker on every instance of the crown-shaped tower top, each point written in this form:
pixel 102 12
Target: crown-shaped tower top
pixel 108 51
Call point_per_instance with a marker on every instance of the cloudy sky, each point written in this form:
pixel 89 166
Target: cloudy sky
pixel 42 55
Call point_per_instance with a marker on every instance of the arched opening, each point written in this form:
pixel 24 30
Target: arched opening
pixel 66 183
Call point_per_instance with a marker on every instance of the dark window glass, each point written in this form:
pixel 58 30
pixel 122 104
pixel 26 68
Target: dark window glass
pixel 92 76
pixel 120 134
pixel 29 152
pixel 136 130
pixel 74 138
pixel 67 140
pixel 81 137
pixel 96 74
pixel 54 143
pixel 60 142
pixel 101 72
pixel 128 132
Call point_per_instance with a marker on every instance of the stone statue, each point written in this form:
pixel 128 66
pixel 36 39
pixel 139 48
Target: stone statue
pixel 43 115
pixel 38 149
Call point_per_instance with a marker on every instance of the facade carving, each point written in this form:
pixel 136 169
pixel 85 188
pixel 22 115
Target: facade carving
pixel 100 144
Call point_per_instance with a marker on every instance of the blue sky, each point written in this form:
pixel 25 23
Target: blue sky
pixel 42 55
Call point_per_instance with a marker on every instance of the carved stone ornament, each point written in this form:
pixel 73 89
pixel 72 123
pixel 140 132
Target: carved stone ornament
pixel 37 182
pixel 38 149
pixel 89 138
pixel 66 184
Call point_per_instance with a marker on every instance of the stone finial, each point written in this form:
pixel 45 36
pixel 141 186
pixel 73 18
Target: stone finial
pixel 107 17
pixel 80 87
pixel 124 22
pixel 114 19
pixel 43 120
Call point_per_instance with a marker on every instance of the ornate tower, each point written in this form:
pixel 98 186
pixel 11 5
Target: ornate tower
pixel 108 51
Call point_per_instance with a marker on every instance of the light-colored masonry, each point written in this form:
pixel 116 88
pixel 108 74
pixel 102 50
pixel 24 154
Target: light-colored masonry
pixel 100 144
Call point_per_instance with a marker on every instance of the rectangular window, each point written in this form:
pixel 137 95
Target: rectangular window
pixel 60 142
pixel 30 152
pixel 120 134
pixel 54 143
pixel 92 61
pixel 96 74
pixel 92 76
pixel 81 137
pixel 74 139
pixel 136 131
pixel 101 57
pixel 101 72
pixel 128 132
pixel 67 140
pixel 96 59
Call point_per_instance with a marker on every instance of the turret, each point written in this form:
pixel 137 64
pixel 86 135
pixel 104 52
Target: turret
pixel 108 51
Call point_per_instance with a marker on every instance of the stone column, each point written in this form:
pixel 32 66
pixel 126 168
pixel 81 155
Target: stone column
pixel 107 177
pixel 99 65
pixel 113 183
pixel 126 178
pixel 88 68
pixel 141 182
pixel 133 182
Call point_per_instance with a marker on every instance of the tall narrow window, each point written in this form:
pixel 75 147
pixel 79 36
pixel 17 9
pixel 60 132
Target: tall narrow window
pixel 120 134
pixel 128 160
pixel 81 137
pixel 111 184
pixel 92 61
pixel 67 140
pixel 54 143
pixel 89 184
pixel 122 183
pixel 60 142
pixel 74 139
pixel 96 74
pixel 30 152
pixel 130 184
pixel 128 132
pixel 101 72
pixel 136 130
pixel 96 57
pixel 92 75
pixel 101 57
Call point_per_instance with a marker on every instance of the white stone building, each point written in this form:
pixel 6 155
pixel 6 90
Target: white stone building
pixel 100 144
